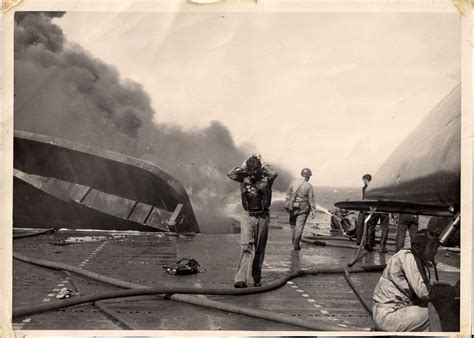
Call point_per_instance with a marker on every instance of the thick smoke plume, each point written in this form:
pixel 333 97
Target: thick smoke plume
pixel 62 90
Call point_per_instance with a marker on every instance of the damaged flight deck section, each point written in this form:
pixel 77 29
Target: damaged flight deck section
pixel 62 184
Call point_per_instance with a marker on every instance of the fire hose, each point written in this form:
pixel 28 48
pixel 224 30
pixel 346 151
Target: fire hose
pixel 390 240
pixel 354 260
pixel 321 243
pixel 356 291
pixel 179 293
pixel 356 257
pixel 361 245
pixel 101 305
pixel 327 212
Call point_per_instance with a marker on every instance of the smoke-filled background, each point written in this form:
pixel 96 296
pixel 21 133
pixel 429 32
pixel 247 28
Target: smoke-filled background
pixel 318 90
pixel 62 90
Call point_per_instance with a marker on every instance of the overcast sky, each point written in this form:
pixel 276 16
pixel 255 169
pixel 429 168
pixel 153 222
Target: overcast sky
pixel 335 92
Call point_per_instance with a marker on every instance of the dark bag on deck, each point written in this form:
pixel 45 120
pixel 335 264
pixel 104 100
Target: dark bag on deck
pixel 184 266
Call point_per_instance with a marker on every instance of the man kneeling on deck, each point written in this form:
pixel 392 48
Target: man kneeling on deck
pixel 256 180
pixel 402 294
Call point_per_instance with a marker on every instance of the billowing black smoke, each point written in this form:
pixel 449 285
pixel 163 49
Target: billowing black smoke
pixel 62 90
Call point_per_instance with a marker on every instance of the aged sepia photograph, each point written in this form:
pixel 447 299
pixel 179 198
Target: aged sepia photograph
pixel 236 170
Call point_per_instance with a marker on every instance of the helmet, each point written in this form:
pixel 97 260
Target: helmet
pixel 424 247
pixel 423 239
pixel 367 177
pixel 306 172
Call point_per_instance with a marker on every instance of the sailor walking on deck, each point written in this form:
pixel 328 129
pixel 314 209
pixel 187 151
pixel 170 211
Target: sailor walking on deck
pixel 384 219
pixel 360 221
pixel 405 222
pixel 256 179
pixel 300 203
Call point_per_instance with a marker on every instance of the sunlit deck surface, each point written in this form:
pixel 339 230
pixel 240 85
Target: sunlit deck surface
pixel 140 257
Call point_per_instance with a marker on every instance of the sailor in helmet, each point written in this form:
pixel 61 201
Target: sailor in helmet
pixel 404 289
pixel 300 203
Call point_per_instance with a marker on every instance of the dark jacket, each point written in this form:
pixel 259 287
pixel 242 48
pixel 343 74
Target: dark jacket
pixel 364 188
pixel 408 219
pixel 262 189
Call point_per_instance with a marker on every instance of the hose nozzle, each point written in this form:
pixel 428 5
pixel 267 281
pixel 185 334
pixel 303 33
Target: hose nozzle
pixel 450 230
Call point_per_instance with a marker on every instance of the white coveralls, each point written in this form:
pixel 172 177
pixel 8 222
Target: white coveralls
pixel 400 286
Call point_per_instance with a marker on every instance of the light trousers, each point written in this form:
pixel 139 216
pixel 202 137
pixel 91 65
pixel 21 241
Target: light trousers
pixel 297 223
pixel 406 319
pixel 253 234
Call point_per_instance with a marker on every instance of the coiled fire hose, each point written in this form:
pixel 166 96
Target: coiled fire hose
pixel 178 293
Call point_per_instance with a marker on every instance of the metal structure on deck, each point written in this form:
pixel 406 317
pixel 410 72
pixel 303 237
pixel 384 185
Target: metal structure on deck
pixel 59 183
pixel 423 175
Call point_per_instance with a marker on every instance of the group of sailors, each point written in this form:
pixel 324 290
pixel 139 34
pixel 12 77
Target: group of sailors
pixel 404 289
pixel 353 225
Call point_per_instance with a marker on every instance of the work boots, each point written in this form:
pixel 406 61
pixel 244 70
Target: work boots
pixel 240 285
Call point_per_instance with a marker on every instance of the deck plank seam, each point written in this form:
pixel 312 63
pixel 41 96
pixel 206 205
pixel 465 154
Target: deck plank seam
pixel 326 313
pixel 53 292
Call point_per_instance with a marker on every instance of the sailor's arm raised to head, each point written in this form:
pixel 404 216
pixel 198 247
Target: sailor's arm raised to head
pixel 237 174
pixel 269 172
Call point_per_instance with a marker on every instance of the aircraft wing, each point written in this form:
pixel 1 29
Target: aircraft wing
pixel 422 176
pixel 396 207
